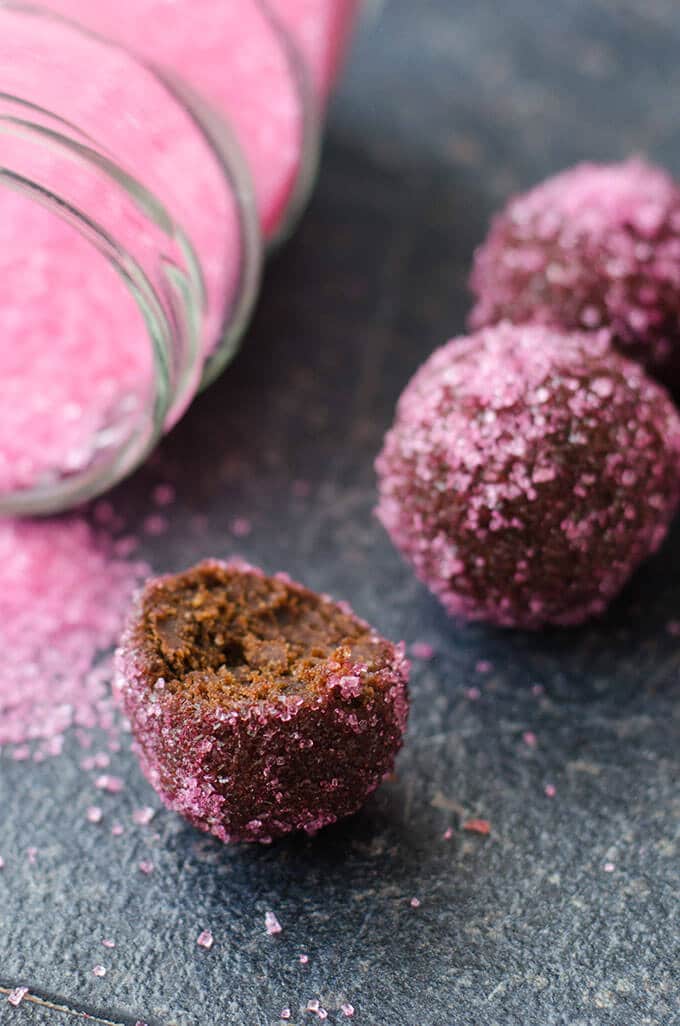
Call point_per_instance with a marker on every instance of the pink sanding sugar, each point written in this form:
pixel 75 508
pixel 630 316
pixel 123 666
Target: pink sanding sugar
pixel 233 55
pixel 63 597
pixel 321 29
pixel 16 996
pixel 272 924
pixel 205 940
pixel 75 358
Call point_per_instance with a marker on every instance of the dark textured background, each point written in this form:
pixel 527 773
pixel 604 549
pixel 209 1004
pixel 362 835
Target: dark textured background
pixel 446 107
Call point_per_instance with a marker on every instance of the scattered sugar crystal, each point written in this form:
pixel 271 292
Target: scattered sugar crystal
pixel 108 943
pixel 609 867
pixel 272 924
pixel 143 816
pixel 285 1013
pixel 347 1009
pixel 94 814
pixel 155 525
pixel 415 903
pixel 146 867
pixel 164 494
pixel 529 738
pixel 99 970
pixel 16 996
pixel 205 940
pixel 422 650
pixel 117 829
pixel 241 527
pixel 448 834
pixel 483 666
pixel 550 790
pixel 473 694
pixel 114 785
pixel 304 959
pixel 32 854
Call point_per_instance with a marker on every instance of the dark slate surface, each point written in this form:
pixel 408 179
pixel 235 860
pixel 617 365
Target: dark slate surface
pixel 446 107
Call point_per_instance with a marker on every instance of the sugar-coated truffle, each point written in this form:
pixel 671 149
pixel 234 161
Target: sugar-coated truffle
pixel 597 246
pixel 528 473
pixel 258 707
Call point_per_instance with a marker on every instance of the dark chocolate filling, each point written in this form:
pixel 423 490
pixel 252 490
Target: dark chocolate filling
pixel 221 634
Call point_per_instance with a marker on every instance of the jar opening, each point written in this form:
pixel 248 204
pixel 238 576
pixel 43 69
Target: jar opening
pixel 125 238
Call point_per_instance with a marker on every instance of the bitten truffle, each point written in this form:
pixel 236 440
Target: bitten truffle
pixel 597 246
pixel 258 707
pixel 528 473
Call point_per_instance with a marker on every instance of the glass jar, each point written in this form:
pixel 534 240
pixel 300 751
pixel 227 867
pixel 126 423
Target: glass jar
pixel 134 203
pixel 240 62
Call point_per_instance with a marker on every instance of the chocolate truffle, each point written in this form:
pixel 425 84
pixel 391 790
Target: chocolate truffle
pixel 597 246
pixel 258 707
pixel 528 473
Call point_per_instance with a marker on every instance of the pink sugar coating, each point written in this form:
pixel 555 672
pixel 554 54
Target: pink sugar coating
pixel 189 751
pixel 528 473
pixel 595 246
pixel 63 600
pixel 234 57
pixel 75 358
pixel 321 28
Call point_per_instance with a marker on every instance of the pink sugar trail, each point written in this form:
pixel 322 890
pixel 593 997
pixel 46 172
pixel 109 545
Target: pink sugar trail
pixel 63 599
